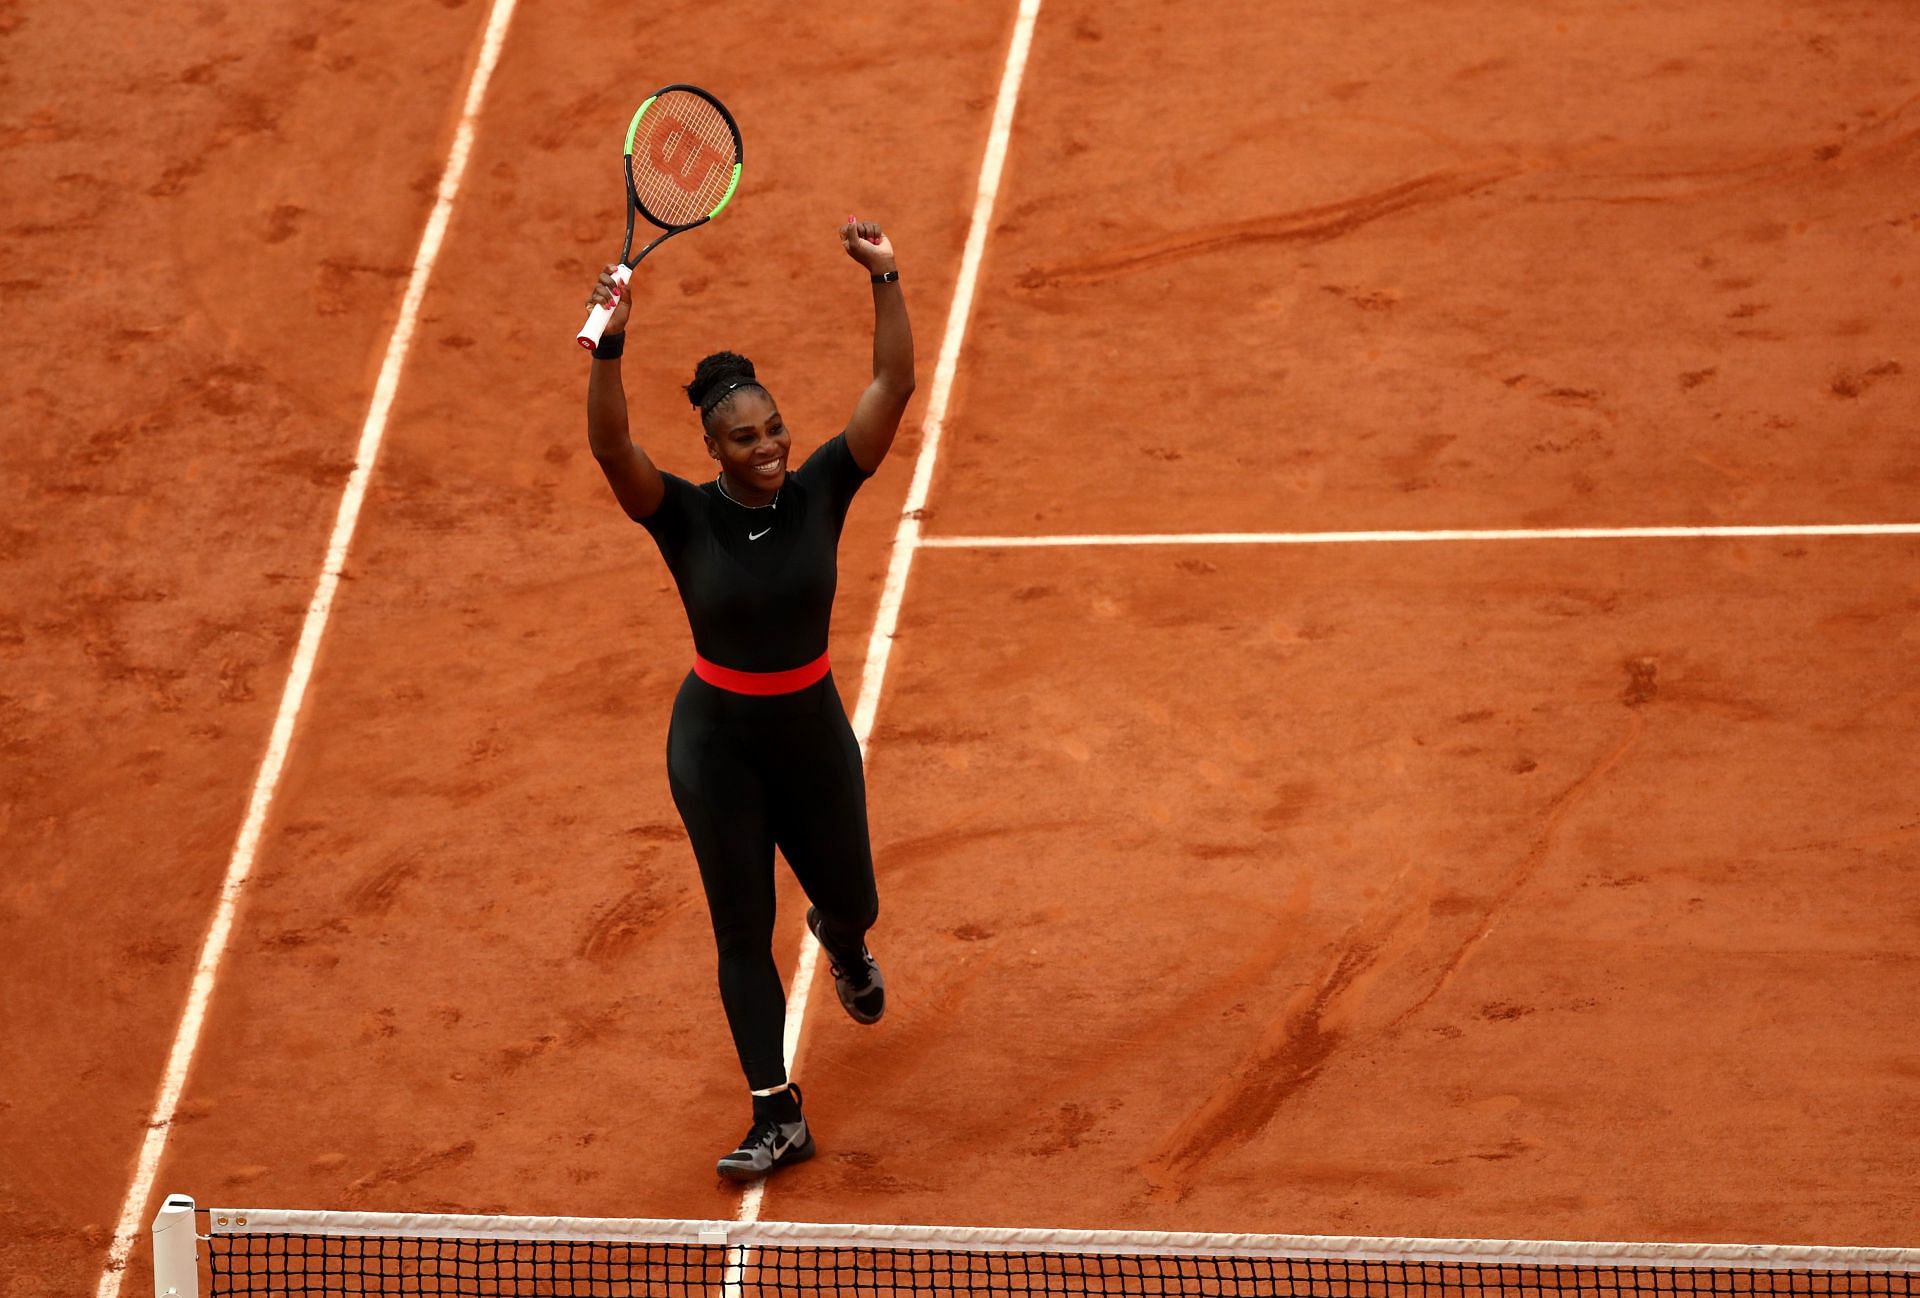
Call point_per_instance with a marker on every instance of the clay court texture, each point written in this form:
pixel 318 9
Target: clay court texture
pixel 1518 887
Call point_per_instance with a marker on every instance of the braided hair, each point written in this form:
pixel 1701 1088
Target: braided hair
pixel 717 378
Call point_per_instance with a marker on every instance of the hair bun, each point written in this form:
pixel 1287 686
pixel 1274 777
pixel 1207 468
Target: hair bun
pixel 715 374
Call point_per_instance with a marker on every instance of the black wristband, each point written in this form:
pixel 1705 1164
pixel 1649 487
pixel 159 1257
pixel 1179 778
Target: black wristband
pixel 887 277
pixel 610 346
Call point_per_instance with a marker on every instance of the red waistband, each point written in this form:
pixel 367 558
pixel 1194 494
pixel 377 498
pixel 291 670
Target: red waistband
pixel 787 682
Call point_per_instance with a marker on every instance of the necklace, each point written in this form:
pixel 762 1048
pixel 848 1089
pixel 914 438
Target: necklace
pixel 720 481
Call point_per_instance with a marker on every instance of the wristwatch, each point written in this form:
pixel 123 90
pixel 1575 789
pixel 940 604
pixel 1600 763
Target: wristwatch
pixel 886 277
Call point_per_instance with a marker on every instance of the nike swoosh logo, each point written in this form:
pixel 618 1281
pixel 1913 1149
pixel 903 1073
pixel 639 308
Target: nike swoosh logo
pixel 755 536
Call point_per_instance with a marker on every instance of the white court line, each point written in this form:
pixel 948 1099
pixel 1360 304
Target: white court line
pixel 1389 538
pixel 187 1039
pixel 906 537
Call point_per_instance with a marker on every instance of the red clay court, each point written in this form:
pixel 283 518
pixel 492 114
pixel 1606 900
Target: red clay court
pixel 1303 801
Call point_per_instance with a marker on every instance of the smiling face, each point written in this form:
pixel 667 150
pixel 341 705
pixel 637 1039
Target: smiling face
pixel 746 435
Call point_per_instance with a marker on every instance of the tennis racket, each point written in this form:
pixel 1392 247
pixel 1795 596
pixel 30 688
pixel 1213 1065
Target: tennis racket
pixel 682 164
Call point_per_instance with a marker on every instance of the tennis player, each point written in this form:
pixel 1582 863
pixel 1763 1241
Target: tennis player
pixel 760 752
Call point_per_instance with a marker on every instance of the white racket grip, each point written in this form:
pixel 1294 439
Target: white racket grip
pixel 597 318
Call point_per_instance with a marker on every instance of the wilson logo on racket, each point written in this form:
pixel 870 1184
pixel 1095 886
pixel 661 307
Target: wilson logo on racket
pixel 684 158
pixel 679 175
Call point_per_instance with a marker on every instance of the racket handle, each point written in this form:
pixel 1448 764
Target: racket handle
pixel 597 318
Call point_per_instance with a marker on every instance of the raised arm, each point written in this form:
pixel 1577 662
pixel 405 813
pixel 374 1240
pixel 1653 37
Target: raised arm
pixel 876 417
pixel 635 482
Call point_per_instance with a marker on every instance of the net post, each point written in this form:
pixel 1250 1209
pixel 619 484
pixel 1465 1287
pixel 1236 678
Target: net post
pixel 175 1273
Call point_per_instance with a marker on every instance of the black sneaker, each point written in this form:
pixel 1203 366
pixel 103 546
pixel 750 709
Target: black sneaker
pixel 773 1143
pixel 863 992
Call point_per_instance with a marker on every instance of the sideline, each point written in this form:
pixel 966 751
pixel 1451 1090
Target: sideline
pixel 906 539
pixel 186 1040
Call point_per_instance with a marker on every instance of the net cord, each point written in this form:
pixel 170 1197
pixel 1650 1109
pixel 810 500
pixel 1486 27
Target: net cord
pixel 786 1234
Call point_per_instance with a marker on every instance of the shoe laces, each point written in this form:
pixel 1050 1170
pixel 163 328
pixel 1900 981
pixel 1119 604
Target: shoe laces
pixel 765 1131
pixel 860 973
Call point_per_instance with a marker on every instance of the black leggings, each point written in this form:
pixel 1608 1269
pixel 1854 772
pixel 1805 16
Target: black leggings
pixel 749 773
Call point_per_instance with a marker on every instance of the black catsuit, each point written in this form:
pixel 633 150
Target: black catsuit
pixel 752 772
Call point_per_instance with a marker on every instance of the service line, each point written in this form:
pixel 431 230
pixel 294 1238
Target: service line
pixel 1394 538
pixel 207 968
pixel 906 538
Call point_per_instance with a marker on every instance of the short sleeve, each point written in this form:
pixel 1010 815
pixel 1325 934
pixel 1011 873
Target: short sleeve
pixel 671 523
pixel 833 469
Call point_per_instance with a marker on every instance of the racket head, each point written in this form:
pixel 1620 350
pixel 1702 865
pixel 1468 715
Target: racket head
pixel 683 157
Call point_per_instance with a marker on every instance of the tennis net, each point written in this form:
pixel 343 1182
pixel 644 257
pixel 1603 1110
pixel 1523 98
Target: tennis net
pixel 255 1251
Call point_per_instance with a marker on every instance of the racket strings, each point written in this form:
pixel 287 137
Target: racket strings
pixel 683 158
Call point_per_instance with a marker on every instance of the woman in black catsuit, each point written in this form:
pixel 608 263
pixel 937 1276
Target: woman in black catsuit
pixel 759 752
